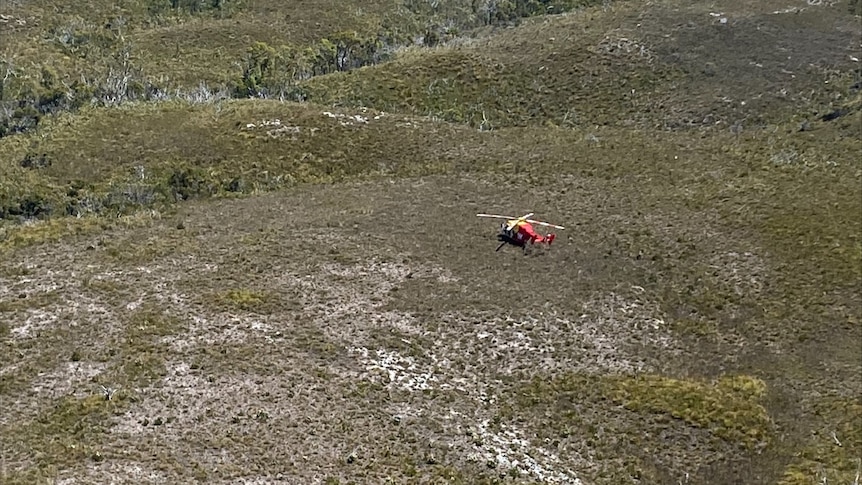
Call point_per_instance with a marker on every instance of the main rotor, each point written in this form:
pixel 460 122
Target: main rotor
pixel 514 221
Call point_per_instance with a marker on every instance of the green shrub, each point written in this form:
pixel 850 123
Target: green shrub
pixel 268 70
pixel 259 72
pixel 218 8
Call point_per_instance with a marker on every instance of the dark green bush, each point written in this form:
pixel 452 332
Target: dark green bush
pixel 35 161
pixel 30 206
pixel 187 183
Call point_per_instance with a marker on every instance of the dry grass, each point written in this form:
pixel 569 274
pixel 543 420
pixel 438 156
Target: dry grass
pixel 376 324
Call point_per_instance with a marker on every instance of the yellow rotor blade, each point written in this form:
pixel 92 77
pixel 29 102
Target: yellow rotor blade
pixel 495 216
pixel 545 224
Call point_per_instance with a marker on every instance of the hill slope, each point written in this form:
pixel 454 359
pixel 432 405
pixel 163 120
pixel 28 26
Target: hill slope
pixel 665 67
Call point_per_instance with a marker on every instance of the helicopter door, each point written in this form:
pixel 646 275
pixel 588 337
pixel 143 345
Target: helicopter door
pixel 506 231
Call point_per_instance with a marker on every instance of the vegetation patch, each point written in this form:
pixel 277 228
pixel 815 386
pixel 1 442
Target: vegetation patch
pixel 53 230
pixel 139 353
pixel 46 231
pixel 730 407
pixel 71 431
pixel 245 299
pixel 834 452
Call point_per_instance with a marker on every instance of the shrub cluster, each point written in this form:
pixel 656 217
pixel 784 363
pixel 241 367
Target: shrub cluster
pixel 27 94
pixel 269 70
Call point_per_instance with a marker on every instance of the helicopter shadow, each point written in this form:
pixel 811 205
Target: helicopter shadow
pixel 527 249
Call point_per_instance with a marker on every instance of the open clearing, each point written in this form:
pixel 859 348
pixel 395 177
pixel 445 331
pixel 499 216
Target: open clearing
pixel 335 333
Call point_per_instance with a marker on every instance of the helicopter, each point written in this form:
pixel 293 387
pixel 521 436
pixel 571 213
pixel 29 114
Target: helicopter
pixel 518 231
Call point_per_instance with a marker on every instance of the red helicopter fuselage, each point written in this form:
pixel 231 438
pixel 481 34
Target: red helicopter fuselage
pixel 522 233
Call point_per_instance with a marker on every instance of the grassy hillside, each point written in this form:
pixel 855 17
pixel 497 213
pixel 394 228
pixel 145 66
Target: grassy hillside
pixel 666 67
pixel 239 242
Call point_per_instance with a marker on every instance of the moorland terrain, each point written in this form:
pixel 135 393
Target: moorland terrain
pixel 238 241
